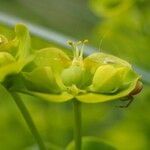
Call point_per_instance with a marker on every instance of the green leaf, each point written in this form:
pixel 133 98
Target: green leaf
pixel 129 76
pixel 41 79
pixel 108 79
pixel 96 98
pixel 12 68
pixel 24 51
pixel 57 98
pixel 6 58
pixel 92 143
pixel 7 65
pixel 24 45
pixel 93 61
pixel 54 57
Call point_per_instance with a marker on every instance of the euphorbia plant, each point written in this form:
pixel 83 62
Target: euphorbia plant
pixel 52 75
pixel 97 78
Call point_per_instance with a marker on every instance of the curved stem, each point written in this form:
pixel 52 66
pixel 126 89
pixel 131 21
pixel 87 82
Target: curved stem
pixel 77 124
pixel 29 121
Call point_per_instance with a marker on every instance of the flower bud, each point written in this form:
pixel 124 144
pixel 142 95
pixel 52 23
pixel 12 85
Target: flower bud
pixel 107 79
pixel 72 75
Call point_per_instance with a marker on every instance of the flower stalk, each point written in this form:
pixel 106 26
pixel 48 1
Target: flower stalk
pixel 27 117
pixel 77 124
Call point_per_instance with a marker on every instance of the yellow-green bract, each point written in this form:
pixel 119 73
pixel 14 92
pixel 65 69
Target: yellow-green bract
pixel 97 78
pixel 15 53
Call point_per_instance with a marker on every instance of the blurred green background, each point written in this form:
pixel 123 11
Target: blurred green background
pixel 120 27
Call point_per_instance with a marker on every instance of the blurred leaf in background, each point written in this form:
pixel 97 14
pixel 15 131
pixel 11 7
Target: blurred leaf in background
pixel 125 26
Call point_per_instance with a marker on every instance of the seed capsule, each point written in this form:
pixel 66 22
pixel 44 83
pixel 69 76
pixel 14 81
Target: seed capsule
pixel 72 75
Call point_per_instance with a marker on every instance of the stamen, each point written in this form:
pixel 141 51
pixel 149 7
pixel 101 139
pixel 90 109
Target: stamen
pixel 79 42
pixel 72 44
pixel 77 48
pixel 78 52
pixel 82 48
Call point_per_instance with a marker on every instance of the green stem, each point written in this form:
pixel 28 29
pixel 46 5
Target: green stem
pixel 77 124
pixel 29 121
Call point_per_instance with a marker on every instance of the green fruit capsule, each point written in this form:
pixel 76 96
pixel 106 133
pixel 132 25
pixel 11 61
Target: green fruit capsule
pixel 72 75
pixel 107 79
pixel 6 58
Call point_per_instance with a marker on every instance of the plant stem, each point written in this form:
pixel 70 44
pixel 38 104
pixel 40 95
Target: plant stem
pixel 77 124
pixel 29 121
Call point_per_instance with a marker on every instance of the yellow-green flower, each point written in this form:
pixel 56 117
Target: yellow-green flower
pixel 14 54
pixel 97 78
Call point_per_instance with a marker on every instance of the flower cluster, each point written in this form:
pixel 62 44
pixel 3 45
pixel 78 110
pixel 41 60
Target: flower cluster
pixel 52 75
pixel 15 53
